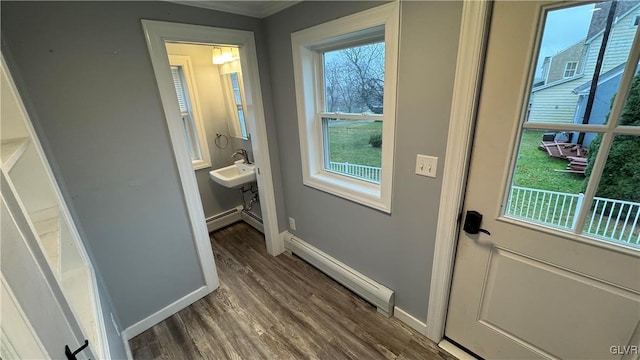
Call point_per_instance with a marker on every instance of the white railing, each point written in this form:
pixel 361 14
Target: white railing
pixel 369 173
pixel 609 219
pixel 614 219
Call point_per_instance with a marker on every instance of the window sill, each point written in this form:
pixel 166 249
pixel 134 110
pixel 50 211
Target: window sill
pixel 199 164
pixel 358 191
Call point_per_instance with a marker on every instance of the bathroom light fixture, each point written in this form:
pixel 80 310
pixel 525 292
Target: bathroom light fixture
pixel 216 57
pixel 221 56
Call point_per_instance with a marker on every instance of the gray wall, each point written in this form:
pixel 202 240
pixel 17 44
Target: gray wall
pixel 396 249
pixel 86 74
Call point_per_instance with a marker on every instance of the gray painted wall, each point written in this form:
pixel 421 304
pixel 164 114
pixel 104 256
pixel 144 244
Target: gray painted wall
pixel 87 78
pixel 396 249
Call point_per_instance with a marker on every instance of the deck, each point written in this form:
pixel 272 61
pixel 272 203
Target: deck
pixel 574 153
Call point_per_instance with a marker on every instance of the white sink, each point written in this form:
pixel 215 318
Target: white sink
pixel 234 176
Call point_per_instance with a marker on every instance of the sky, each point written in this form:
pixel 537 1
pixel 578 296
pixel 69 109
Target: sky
pixel 562 29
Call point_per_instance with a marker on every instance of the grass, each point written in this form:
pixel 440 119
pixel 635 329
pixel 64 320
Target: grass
pixel 536 169
pixel 349 142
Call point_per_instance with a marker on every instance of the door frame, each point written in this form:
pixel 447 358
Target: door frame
pixel 474 28
pixel 156 33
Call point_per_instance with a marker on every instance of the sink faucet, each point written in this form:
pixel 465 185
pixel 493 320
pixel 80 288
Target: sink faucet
pixel 243 153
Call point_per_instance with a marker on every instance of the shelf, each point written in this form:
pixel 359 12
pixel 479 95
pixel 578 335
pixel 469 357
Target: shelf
pixel 77 288
pixel 48 230
pixel 11 150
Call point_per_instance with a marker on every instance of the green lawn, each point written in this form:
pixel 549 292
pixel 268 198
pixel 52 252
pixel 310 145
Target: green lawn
pixel 349 142
pixel 535 168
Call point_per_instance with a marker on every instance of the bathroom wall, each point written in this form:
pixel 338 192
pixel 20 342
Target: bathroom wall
pixel 211 100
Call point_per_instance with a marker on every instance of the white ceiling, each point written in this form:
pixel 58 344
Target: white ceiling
pixel 259 9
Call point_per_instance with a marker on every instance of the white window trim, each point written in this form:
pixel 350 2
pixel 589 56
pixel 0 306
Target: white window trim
pixel 566 68
pixel 190 80
pixel 307 67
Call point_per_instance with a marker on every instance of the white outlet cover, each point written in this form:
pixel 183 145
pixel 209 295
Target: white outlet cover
pixel 426 165
pixel 292 223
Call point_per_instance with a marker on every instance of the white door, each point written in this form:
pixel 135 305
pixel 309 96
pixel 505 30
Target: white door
pixel 559 274
pixel 35 320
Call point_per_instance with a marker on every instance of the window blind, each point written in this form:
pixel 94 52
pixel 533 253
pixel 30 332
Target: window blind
pixel 176 73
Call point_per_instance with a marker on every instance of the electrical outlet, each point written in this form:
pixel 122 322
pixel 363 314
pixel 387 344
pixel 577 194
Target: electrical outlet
pixel 292 223
pixel 426 165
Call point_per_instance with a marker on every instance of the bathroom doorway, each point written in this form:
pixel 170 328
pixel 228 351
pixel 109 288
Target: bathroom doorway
pixel 209 87
pixel 190 151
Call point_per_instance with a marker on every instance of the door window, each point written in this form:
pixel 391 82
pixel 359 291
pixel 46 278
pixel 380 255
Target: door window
pixel 578 158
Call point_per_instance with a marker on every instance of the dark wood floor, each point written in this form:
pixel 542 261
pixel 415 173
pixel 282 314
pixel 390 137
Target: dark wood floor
pixel 277 308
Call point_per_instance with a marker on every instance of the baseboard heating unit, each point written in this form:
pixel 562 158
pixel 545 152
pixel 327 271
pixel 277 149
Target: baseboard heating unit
pixel 375 293
pixel 253 220
pixel 223 219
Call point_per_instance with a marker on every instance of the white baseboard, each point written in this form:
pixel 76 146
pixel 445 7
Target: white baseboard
pixel 455 351
pixel 377 294
pixel 151 320
pixel 252 221
pixel 413 322
pixel 225 218
pixel 127 348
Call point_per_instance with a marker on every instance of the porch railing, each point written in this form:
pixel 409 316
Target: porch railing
pixel 609 219
pixel 369 173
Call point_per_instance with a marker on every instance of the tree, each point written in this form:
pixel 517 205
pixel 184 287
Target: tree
pixel 621 175
pixel 354 79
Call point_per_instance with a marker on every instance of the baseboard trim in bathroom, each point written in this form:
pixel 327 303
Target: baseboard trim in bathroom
pixel 370 290
pixel 224 218
pixel 252 220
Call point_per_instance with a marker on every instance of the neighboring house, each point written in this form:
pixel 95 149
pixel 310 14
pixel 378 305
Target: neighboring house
pixel 607 88
pixel 557 99
pixel 566 64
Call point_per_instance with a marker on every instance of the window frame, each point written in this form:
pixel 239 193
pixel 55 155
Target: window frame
pixel 184 62
pixel 308 46
pixel 608 132
pixel 566 68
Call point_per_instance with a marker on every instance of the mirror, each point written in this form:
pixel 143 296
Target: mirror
pixel 230 71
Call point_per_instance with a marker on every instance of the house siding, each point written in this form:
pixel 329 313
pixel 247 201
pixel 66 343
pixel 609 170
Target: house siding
pixel 558 104
pixel 559 61
pixel 618 47
pixel 555 104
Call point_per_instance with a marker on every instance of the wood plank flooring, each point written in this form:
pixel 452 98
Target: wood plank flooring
pixel 277 308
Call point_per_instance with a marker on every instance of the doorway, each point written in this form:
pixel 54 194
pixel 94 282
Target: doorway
pixel 540 283
pixel 157 35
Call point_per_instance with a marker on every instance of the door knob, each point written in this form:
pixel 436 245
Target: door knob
pixel 472 223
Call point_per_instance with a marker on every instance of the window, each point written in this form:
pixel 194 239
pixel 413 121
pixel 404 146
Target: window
pixel 194 132
pixel 345 76
pixel 576 169
pixel 570 69
pixel 636 20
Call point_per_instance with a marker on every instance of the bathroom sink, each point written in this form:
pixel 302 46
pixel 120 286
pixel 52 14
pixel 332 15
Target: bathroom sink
pixel 234 176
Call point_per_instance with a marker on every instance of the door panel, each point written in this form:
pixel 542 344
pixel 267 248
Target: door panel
pixel 564 291
pixel 528 290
